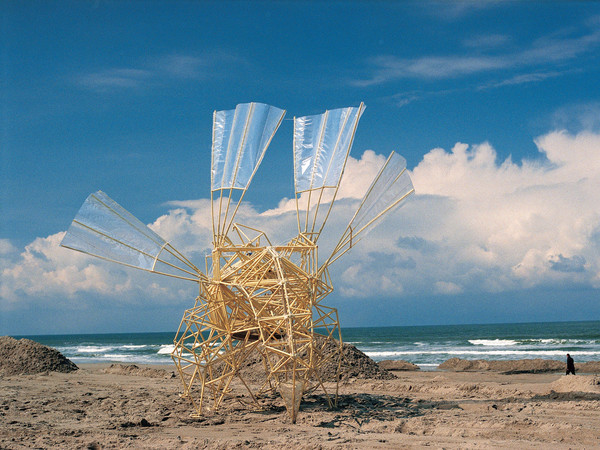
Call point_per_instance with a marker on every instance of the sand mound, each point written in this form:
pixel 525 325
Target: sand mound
pixel 576 383
pixel 507 367
pixel 21 357
pixel 398 365
pixel 355 364
pixel 588 367
pixel 132 369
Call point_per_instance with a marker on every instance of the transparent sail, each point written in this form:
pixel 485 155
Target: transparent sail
pixel 240 139
pixel 389 189
pixel 321 147
pixel 103 228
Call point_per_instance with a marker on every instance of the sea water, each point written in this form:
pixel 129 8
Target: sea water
pixel 426 346
pixel 429 346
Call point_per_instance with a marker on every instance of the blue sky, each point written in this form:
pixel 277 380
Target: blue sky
pixel 495 105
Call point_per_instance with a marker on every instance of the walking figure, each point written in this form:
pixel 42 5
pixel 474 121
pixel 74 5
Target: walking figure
pixel 570 365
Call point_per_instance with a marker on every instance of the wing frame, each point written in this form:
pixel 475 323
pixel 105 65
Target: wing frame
pixel 104 229
pixel 354 234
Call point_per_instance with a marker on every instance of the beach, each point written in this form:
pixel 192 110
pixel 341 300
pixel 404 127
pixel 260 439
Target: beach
pixel 124 406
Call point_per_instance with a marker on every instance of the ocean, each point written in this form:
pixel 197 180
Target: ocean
pixel 426 346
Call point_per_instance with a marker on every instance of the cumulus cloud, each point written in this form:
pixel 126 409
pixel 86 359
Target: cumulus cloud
pixel 584 116
pixel 358 175
pixel 562 264
pixel 6 247
pixel 475 225
pixel 502 226
pixel 44 271
pixel 479 225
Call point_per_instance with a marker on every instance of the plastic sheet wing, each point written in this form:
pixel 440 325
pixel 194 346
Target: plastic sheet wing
pixel 321 147
pixel 104 229
pixel 390 188
pixel 240 138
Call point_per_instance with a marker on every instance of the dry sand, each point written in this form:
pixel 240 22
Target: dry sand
pixel 99 406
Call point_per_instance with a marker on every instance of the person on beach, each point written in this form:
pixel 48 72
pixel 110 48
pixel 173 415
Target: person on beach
pixel 570 365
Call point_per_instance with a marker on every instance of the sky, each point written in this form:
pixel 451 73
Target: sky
pixel 494 104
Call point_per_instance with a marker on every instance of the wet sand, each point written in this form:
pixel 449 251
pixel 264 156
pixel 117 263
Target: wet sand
pixel 95 407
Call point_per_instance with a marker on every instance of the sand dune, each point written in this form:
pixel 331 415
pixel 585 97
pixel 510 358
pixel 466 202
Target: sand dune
pixel 577 383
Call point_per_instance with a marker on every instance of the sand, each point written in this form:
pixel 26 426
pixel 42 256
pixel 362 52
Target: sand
pixel 99 406
pixel 24 356
pixel 47 402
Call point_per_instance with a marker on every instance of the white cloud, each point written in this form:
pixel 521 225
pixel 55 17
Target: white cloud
pixel 584 116
pixel 114 78
pixel 506 226
pixel 157 69
pixel 522 79
pixel 355 281
pixel 475 225
pixel 487 41
pixel 358 175
pixel 455 10
pixel 543 52
pixel 182 66
pixel 187 227
pixel 46 272
pixel 479 225
pixel 6 247
pixel 389 67
pixel 404 98
pixel 444 287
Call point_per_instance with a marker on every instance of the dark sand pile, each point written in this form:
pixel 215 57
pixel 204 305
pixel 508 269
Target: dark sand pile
pixel 355 364
pixel 398 365
pixel 24 356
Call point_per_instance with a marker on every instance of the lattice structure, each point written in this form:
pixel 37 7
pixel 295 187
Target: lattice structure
pixel 257 298
pixel 258 301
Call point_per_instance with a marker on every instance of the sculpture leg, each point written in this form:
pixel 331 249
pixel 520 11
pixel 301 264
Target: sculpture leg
pixel 209 356
pixel 288 357
pixel 326 348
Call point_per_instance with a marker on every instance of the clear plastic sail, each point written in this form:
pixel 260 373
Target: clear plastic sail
pixel 321 147
pixel 240 139
pixel 103 228
pixel 390 188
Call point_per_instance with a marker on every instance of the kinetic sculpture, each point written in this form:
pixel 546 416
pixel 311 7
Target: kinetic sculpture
pixel 256 297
